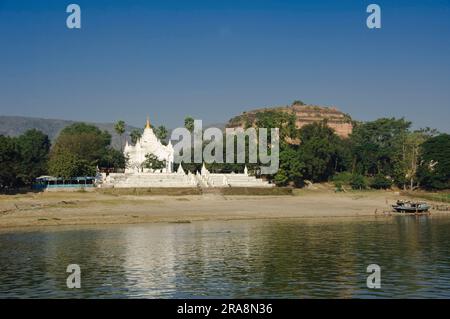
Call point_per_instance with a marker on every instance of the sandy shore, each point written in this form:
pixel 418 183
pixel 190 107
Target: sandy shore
pixel 51 209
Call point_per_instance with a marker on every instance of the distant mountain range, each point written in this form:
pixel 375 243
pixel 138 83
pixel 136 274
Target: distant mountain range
pixel 17 125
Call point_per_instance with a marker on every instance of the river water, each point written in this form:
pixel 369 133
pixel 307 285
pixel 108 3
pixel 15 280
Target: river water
pixel 297 258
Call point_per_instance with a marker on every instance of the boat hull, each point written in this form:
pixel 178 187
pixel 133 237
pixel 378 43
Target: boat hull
pixel 402 209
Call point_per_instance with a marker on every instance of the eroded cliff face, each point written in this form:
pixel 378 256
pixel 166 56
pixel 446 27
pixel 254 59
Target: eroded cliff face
pixel 340 122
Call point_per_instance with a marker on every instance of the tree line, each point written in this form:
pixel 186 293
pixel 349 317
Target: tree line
pixel 378 154
pixel 79 150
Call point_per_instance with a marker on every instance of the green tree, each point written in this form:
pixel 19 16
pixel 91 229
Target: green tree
pixel 23 158
pixel 33 147
pixel 161 132
pixel 376 145
pixel 84 128
pixel 119 127
pixel 406 161
pixel 284 121
pixel 321 152
pixel 189 123
pixel 151 161
pixel 9 158
pixel 358 182
pixel 291 168
pixel 380 182
pixel 83 146
pixel 135 135
pixel 112 158
pixel 281 178
pixel 434 169
pixel 66 165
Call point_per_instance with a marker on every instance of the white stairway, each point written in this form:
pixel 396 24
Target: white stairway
pixel 127 180
pixel 180 179
pixel 235 180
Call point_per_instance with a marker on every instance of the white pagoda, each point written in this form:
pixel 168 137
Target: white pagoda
pixel 136 175
pixel 148 143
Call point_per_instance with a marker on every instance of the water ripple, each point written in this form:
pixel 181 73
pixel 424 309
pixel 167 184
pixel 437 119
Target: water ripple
pixel 266 259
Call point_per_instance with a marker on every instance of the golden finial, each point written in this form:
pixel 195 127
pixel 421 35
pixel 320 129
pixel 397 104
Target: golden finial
pixel 148 122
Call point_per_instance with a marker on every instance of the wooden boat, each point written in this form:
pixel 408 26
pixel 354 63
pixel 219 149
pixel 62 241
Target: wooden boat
pixel 410 207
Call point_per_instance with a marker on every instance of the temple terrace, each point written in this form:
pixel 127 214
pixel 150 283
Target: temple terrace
pixel 138 175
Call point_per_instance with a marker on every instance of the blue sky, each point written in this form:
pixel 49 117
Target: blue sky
pixel 214 59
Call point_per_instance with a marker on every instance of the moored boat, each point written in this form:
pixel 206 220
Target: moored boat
pixel 410 207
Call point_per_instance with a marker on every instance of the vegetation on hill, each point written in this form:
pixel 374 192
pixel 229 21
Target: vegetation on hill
pixel 301 112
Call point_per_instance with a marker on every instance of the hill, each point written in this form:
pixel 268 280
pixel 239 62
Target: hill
pixel 305 114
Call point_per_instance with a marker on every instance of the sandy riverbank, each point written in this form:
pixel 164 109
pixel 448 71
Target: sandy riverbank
pixel 61 208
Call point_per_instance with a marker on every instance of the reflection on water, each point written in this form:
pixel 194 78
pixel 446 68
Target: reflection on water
pixel 270 258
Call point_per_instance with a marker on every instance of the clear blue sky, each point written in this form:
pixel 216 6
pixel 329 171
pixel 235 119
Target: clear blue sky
pixel 215 59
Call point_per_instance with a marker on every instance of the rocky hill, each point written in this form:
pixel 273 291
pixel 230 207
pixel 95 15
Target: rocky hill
pixel 305 114
pixel 17 125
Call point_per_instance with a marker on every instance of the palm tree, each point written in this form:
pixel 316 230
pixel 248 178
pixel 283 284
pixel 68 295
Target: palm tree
pixel 161 132
pixel 119 127
pixel 135 135
pixel 189 123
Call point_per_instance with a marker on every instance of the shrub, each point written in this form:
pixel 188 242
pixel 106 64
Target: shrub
pixel 281 178
pixel 380 182
pixel 339 186
pixel 358 181
pixel 342 178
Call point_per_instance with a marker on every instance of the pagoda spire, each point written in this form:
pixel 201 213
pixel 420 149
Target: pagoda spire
pixel 148 122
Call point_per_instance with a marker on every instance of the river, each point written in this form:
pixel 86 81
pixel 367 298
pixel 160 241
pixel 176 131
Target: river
pixel 296 258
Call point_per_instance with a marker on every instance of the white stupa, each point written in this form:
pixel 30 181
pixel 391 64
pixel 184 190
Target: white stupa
pixel 148 144
pixel 137 176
